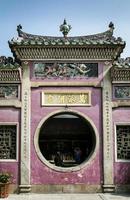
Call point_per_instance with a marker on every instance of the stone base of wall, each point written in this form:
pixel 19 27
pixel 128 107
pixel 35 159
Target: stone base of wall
pixel 108 188
pixel 123 188
pixel 78 188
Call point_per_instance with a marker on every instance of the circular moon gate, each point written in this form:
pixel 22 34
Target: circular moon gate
pixel 66 140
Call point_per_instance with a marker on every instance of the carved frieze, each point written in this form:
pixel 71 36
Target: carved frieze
pixel 10 76
pixel 61 52
pixel 65 70
pixel 8 91
pixel 122 92
pixel 118 74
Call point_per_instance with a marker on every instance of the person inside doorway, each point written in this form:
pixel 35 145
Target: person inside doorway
pixel 77 155
pixel 58 159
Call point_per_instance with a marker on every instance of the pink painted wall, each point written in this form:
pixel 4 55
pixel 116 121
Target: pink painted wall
pixel 40 173
pixel 121 169
pixel 11 115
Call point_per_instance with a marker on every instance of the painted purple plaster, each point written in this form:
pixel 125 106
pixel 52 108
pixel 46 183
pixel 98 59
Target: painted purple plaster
pixel 10 115
pixel 12 168
pixel 40 173
pixel 121 169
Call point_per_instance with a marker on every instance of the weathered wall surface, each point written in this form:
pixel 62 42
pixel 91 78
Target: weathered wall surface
pixel 91 173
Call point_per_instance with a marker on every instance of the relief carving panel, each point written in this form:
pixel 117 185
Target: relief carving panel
pixel 122 92
pixel 8 91
pixel 65 70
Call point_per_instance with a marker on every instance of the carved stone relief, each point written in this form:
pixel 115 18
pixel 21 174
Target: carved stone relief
pixel 68 70
pixel 9 91
pixel 122 92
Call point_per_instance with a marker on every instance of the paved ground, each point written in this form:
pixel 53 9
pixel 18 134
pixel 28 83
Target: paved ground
pixel 69 197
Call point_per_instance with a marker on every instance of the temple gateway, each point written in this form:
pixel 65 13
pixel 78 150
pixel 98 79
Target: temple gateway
pixel 65 113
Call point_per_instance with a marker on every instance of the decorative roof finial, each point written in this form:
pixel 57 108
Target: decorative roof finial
pixel 19 27
pixel 111 26
pixel 65 28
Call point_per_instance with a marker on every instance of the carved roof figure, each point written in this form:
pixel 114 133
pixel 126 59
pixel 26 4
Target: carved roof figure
pixel 122 63
pixel 8 63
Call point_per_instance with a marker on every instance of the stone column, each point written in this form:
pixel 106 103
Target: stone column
pixel 108 185
pixel 25 132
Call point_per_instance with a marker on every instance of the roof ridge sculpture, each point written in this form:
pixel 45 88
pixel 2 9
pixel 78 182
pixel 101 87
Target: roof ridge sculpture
pixel 123 63
pixel 8 63
pixel 101 36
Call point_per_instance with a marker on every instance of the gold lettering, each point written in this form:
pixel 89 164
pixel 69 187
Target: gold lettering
pixel 50 99
pixel 71 99
pixel 65 98
pixel 83 98
pixel 62 99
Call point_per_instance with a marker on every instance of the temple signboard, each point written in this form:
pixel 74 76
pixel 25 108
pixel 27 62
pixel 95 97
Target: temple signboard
pixel 66 98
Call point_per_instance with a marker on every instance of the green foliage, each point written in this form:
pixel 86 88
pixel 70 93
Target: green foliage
pixel 5 177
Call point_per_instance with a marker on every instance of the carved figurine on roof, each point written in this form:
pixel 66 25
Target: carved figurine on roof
pixel 8 62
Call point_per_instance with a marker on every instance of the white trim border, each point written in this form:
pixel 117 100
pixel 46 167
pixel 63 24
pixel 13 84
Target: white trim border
pixel 63 169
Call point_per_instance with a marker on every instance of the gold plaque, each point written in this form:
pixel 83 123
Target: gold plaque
pixel 72 98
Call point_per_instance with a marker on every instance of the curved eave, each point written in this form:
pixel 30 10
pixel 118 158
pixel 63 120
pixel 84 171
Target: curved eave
pixel 117 47
pixel 65 42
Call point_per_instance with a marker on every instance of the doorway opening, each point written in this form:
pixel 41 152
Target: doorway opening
pixel 66 140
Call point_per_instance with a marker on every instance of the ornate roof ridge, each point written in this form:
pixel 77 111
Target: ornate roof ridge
pixel 123 63
pixel 101 36
pixel 107 46
pixel 8 63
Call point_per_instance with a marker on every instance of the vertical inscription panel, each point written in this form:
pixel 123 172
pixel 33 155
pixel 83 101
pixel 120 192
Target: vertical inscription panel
pixel 107 131
pixel 107 125
pixel 25 123
pixel 25 132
